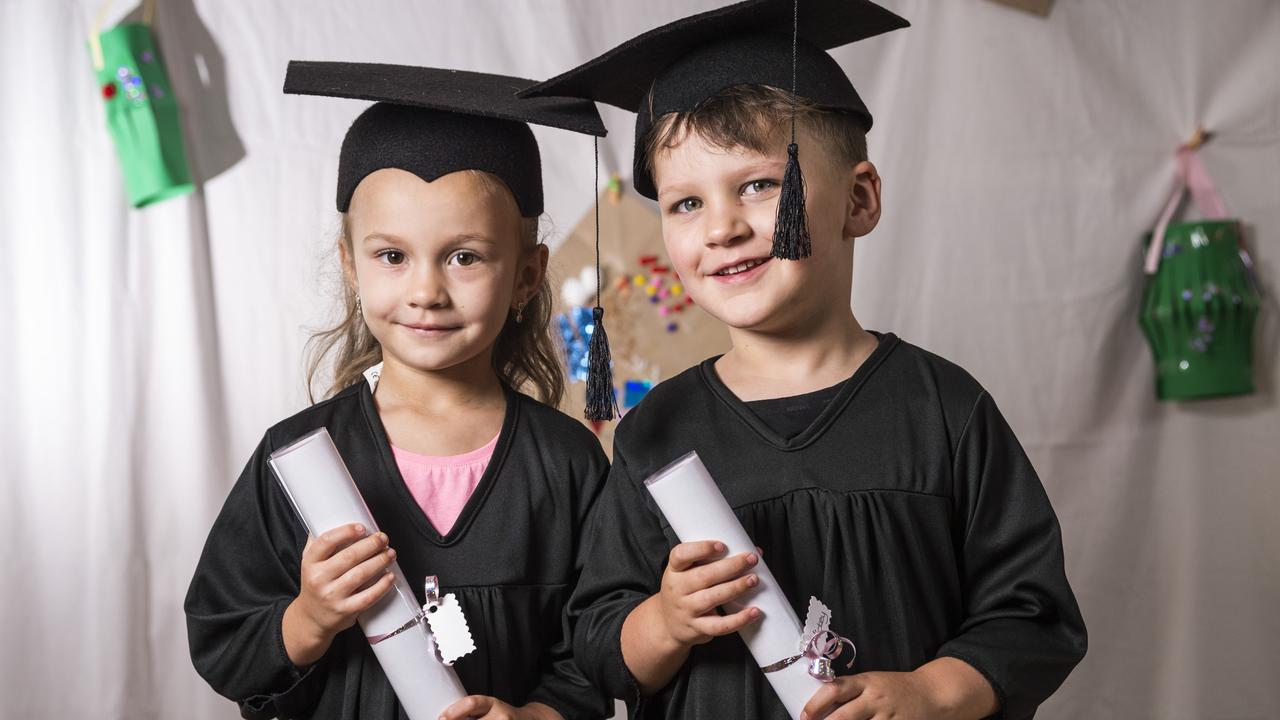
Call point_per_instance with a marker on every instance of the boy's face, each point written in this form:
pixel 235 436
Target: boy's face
pixel 718 208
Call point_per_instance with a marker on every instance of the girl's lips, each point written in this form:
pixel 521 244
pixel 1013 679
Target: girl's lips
pixel 430 330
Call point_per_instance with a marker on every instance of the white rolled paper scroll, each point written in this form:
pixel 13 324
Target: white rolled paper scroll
pixel 322 492
pixel 696 510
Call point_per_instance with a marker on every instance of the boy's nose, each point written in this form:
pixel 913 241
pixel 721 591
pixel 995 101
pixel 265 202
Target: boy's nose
pixel 726 226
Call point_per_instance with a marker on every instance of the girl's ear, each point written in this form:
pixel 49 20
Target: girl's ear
pixel 532 271
pixel 348 262
pixel 863 207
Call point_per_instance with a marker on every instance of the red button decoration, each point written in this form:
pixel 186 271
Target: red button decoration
pixel 108 90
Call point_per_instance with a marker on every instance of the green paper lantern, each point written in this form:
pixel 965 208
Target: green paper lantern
pixel 1198 312
pixel 142 115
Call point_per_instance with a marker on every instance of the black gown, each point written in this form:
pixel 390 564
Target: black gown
pixel 907 506
pixel 512 558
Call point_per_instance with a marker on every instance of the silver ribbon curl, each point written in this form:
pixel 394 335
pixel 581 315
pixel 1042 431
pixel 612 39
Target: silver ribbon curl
pixel 431 590
pixel 821 650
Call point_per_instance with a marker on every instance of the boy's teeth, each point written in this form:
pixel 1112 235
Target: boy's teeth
pixel 740 267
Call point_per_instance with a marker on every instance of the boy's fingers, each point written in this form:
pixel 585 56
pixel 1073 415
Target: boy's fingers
pixel 724 569
pixel 705 601
pixel 469 706
pixel 365 599
pixel 717 625
pixel 832 695
pixel 323 547
pixel 686 555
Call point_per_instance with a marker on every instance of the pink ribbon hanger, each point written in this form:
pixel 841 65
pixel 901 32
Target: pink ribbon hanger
pixel 1192 176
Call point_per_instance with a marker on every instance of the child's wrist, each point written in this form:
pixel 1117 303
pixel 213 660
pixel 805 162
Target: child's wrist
pixel 305 640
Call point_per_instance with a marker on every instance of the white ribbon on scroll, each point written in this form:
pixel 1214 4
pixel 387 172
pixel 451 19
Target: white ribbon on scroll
pixel 322 492
pixel 696 510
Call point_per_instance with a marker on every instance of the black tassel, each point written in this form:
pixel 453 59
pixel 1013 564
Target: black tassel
pixel 791 227
pixel 600 400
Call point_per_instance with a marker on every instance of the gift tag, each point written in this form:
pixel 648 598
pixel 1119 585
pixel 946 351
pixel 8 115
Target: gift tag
pixel 816 622
pixel 449 626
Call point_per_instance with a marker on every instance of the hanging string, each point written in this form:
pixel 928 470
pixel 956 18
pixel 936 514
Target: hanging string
pixel 600 399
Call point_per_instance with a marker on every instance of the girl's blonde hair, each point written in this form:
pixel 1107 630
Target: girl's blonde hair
pixel 525 356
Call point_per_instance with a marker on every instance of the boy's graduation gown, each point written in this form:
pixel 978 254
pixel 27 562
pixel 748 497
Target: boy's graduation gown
pixel 907 506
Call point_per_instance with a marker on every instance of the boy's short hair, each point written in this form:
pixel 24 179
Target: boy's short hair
pixel 757 117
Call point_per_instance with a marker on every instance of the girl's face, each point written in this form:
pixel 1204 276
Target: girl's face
pixel 438 265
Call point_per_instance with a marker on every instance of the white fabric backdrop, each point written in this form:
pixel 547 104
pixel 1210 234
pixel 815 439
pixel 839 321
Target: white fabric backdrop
pixel 146 351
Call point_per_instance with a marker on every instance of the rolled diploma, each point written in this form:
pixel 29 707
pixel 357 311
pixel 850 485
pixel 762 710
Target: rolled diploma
pixel 323 494
pixel 696 510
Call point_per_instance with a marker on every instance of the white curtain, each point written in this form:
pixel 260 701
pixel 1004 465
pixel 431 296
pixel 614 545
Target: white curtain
pixel 145 352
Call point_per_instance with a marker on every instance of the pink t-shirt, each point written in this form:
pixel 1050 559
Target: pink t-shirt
pixel 442 484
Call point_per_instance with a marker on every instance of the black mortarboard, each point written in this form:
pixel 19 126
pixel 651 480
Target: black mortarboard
pixel 432 122
pixel 780 43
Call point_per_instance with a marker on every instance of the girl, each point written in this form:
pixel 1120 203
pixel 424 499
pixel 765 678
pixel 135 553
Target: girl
pixel 446 320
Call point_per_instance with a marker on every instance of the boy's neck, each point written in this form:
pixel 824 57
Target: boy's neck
pixel 763 366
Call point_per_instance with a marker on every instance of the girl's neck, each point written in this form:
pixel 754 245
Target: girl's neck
pixel 468 385
pixel 762 365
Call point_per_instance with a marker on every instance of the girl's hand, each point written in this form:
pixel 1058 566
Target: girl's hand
pixel 695 583
pixel 483 706
pixel 343 574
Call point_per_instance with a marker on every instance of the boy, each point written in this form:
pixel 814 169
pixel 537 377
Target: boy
pixel 876 476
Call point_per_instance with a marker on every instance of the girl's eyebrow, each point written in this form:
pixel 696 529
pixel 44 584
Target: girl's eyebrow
pixel 383 237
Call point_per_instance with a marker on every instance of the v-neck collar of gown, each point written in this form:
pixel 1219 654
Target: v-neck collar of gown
pixel 390 472
pixel 815 430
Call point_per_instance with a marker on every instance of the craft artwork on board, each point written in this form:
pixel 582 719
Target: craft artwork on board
pixel 655 329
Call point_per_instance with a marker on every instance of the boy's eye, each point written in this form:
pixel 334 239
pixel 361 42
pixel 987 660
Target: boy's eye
pixel 756 187
pixel 464 258
pixel 392 257
pixel 687 205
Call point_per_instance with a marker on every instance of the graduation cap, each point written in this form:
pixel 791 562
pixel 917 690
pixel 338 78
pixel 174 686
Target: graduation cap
pixel 432 122
pixel 779 43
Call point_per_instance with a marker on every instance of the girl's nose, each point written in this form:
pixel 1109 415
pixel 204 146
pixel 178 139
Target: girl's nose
pixel 429 288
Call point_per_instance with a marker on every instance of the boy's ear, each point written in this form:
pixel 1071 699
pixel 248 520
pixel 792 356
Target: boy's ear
pixel 863 207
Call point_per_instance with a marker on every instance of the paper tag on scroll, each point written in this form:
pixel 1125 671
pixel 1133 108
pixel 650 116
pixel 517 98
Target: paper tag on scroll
pixel 816 622
pixel 320 488
pixel 696 510
pixel 449 626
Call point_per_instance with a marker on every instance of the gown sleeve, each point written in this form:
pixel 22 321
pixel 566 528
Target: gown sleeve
pixel 246 577
pixel 563 686
pixel 624 555
pixel 1022 628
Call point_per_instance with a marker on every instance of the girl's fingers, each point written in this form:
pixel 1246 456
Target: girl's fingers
pixel 356 553
pixel 832 695
pixel 360 576
pixel 365 599
pixel 722 570
pixel 322 548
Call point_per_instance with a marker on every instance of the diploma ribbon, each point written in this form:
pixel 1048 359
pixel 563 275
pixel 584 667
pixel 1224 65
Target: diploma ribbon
pixel 821 650
pixel 431 589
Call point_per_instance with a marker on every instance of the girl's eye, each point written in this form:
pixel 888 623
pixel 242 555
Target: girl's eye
pixel 756 187
pixel 464 258
pixel 687 205
pixel 392 257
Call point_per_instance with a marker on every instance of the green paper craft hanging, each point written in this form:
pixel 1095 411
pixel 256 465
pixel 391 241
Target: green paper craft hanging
pixel 1201 298
pixel 142 112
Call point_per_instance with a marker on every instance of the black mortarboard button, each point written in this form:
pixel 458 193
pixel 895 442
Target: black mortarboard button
pixel 779 43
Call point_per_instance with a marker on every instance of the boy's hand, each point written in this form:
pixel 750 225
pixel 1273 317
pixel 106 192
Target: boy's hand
pixel 943 689
pixel 489 708
pixel 343 574
pixel 695 583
